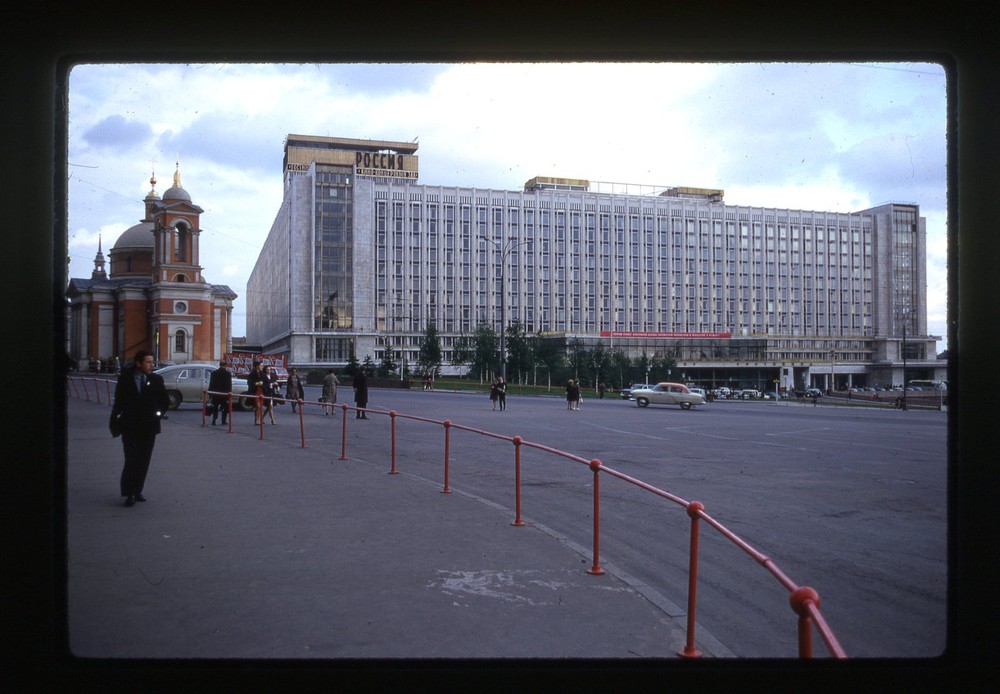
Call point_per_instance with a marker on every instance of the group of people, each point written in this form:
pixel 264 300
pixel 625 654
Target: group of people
pixel 141 402
pixel 498 394
pixel 573 396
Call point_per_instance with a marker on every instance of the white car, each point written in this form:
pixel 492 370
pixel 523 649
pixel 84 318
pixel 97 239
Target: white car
pixel 185 383
pixel 668 394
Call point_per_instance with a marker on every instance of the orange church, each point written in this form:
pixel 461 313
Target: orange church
pixel 154 297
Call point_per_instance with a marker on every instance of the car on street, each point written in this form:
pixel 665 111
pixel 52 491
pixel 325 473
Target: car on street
pixel 751 394
pixel 186 382
pixel 627 392
pixel 668 394
pixel 813 393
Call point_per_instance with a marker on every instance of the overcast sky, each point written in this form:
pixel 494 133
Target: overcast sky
pixel 835 137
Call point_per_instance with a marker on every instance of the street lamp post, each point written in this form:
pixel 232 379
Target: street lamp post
pixel 504 250
pixel 833 378
pixel 906 313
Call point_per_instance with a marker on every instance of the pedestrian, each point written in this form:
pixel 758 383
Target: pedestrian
pixel 140 402
pixel 293 389
pixel 502 393
pixel 255 384
pixel 570 396
pixel 494 394
pixel 361 394
pixel 329 396
pixel 600 390
pixel 220 385
pixel 271 392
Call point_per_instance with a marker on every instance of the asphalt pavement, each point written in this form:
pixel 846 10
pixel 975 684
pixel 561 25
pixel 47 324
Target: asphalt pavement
pixel 260 548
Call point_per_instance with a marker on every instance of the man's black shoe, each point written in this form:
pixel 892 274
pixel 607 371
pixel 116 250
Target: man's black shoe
pixel 130 501
pixel 140 497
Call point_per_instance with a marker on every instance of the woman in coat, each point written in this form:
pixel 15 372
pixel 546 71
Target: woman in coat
pixel 330 384
pixel 271 391
pixel 293 389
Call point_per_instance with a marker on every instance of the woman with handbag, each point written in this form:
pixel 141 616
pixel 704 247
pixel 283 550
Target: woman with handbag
pixel 270 391
pixel 293 389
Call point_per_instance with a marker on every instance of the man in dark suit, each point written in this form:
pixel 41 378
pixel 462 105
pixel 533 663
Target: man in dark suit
pixel 220 381
pixel 361 394
pixel 140 401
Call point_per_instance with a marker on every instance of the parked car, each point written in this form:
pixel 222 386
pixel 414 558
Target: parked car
pixel 723 392
pixel 281 373
pixel 186 382
pixel 627 392
pixel 668 394
pixel 812 393
pixel 750 394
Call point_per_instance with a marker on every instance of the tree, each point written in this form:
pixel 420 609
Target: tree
pixel 387 367
pixel 547 354
pixel 578 359
pixel 484 350
pixel 429 359
pixel 518 351
pixel 600 361
pixel 352 363
pixel 368 366
pixel 461 350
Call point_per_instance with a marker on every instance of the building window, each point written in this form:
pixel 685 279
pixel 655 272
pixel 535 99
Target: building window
pixel 180 341
pixel 333 349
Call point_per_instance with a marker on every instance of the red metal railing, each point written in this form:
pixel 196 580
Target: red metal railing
pixel 804 601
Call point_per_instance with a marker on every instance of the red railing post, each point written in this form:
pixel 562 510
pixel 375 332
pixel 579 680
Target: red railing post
pixel 392 428
pixel 690 651
pixel 76 391
pixel 86 390
pixel 108 383
pixel 204 404
pixel 596 569
pixel 302 423
pixel 97 390
pixel 343 435
pixel 229 405
pixel 260 412
pixel 517 441
pixel 800 600
pixel 447 447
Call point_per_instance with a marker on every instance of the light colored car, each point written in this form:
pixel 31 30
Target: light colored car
pixel 668 394
pixel 185 383
pixel 626 393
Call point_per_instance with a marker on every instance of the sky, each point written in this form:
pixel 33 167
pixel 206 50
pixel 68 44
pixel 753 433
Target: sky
pixel 838 137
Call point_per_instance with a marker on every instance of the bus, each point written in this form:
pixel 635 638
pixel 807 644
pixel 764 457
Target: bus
pixel 928 384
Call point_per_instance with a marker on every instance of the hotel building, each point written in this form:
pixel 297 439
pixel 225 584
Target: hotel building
pixel 361 255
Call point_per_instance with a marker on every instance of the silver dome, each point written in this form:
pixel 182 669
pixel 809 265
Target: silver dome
pixel 138 236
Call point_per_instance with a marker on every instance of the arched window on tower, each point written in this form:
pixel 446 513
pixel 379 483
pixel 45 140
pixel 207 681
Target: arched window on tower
pixel 180 341
pixel 183 238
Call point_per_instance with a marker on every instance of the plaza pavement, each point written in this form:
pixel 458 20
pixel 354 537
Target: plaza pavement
pixel 262 549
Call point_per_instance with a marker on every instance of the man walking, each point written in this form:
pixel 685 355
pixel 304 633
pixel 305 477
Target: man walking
pixel 220 383
pixel 140 401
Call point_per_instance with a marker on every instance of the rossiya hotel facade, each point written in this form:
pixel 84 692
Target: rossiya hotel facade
pixel 362 255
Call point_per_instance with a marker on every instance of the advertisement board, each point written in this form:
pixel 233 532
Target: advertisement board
pixel 240 363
